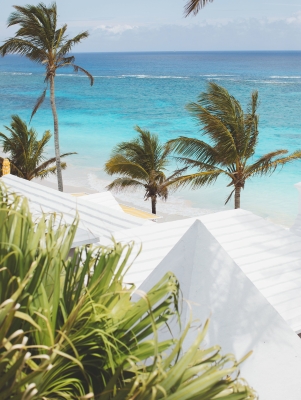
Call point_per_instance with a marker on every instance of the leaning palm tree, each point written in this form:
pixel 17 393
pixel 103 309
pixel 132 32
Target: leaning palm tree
pixel 142 163
pixel 194 6
pixel 26 153
pixel 233 137
pixel 40 40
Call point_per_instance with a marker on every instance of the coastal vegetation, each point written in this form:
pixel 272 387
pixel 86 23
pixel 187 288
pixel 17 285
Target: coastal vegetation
pixel 233 138
pixel 40 40
pixel 70 330
pixel 26 153
pixel 142 163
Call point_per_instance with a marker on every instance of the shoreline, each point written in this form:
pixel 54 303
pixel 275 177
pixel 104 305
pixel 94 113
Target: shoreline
pixel 175 208
pixel 86 189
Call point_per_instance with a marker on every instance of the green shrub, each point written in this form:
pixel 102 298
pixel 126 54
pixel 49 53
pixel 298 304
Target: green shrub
pixel 87 338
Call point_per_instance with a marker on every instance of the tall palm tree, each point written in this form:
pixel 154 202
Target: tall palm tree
pixel 26 153
pixel 40 40
pixel 194 6
pixel 142 163
pixel 233 137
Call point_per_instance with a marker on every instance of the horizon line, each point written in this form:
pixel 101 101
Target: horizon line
pixel 175 51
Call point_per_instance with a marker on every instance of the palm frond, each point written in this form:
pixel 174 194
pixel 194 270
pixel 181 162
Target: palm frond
pixel 217 102
pixel 229 197
pixel 67 46
pixel 194 6
pixel 264 165
pixel 119 164
pixel 39 102
pixel 120 184
pixel 217 131
pixel 52 160
pixel 251 128
pixel 202 166
pixel 175 174
pixel 26 153
pixel 142 162
pixel 78 68
pixel 192 147
pixel 197 179
pixel 44 173
pixel 24 48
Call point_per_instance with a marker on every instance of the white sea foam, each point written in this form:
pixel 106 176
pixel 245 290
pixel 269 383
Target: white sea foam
pixel 175 205
pixel 72 75
pixel 127 76
pixel 269 82
pixel 155 76
pixel 15 73
pixel 285 77
pixel 222 79
pixel 217 75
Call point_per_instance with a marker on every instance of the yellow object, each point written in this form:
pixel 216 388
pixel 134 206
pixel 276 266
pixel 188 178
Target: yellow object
pixel 128 210
pixel 79 194
pixel 5 167
pixel 138 213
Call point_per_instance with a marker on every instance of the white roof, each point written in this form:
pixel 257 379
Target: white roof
pixel 95 222
pixel 296 228
pixel 103 199
pixel 267 253
pixel 241 319
pixel 156 241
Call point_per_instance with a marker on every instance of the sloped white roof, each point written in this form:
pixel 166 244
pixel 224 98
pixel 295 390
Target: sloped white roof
pixel 97 222
pixel 267 253
pixel 241 319
pixel 296 228
pixel 156 241
pixel 103 199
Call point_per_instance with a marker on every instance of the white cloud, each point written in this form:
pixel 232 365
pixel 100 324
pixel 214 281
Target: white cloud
pixel 296 18
pixel 115 29
pixel 242 34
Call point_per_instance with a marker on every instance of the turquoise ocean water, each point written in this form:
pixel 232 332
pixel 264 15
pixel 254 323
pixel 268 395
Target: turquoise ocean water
pixel 151 90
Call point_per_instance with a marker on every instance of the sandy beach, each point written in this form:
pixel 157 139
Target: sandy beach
pixel 178 208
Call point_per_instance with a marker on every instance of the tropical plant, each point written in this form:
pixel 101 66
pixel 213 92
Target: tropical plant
pixel 194 6
pixel 40 40
pixel 103 345
pixel 18 367
pixel 142 163
pixel 26 152
pixel 233 137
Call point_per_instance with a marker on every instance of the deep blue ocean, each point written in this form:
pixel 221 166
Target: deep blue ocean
pixel 151 90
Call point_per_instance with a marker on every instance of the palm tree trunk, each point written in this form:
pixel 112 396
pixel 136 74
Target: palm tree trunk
pixel 56 137
pixel 154 203
pixel 237 197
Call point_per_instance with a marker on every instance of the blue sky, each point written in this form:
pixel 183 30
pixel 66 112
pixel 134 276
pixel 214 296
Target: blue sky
pixel 141 25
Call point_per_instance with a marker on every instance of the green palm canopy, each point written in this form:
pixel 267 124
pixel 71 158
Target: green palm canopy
pixel 141 163
pixel 40 40
pixel 233 137
pixel 26 152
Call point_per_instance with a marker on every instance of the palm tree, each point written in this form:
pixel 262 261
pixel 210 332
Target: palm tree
pixel 233 137
pixel 194 6
pixel 40 40
pixel 142 163
pixel 26 153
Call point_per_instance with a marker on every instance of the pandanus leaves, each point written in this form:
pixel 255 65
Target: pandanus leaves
pixel 87 336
